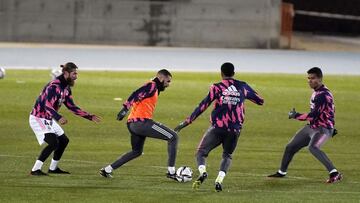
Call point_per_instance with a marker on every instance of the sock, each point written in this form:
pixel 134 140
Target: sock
pixel 38 164
pixel 53 164
pixel 220 177
pixel 202 169
pixel 333 171
pixel 108 169
pixel 282 172
pixel 171 169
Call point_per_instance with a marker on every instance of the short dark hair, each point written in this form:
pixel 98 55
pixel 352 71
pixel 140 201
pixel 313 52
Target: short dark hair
pixel 68 67
pixel 164 72
pixel 228 69
pixel 315 70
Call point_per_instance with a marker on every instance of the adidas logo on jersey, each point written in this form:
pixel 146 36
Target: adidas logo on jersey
pixel 231 91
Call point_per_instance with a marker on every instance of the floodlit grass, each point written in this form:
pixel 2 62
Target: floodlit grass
pixel 92 146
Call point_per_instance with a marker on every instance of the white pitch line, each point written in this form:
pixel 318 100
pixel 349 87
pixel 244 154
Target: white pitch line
pixel 82 161
pixel 160 167
pixel 6 155
pixel 73 160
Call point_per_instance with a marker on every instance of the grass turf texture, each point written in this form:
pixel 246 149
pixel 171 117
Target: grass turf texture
pixel 266 132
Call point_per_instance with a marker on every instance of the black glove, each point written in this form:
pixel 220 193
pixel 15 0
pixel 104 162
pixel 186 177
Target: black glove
pixel 181 126
pixel 122 113
pixel 293 114
pixel 335 132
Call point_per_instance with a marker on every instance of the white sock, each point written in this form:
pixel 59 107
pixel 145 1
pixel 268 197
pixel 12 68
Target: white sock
pixel 282 172
pixel 53 164
pixel 333 171
pixel 38 164
pixel 202 169
pixel 171 169
pixel 108 169
pixel 220 177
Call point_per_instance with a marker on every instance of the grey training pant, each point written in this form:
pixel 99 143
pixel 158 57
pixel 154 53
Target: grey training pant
pixel 213 138
pixel 139 131
pixel 314 139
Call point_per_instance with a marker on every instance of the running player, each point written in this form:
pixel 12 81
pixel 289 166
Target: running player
pixel 141 125
pixel 44 117
pixel 319 130
pixel 226 121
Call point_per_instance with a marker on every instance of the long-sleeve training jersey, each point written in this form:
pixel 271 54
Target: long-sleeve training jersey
pixel 229 110
pixel 52 96
pixel 322 109
pixel 143 101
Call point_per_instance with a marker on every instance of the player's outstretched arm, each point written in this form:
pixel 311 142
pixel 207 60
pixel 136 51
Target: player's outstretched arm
pixel 292 114
pixel 69 103
pixel 62 120
pixel 122 113
pixel 319 106
pixel 204 104
pixel 181 126
pixel 95 118
pixel 148 90
pixel 252 95
pixel 143 92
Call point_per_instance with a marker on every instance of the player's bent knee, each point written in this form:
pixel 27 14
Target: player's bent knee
pixel 201 153
pixel 313 149
pixel 226 155
pixel 52 140
pixel 174 138
pixel 290 148
pixel 64 140
pixel 137 152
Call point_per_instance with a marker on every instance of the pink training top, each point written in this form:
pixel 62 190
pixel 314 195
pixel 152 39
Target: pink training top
pixel 229 109
pixel 322 109
pixel 53 95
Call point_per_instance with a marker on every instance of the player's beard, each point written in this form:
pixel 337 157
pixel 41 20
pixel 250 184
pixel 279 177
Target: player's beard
pixel 161 87
pixel 70 82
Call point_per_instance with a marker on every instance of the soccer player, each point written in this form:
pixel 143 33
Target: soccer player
pixel 142 103
pixel 44 117
pixel 317 132
pixel 226 121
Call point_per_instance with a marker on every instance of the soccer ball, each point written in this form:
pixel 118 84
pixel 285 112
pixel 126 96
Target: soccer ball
pixel 2 73
pixel 184 174
pixel 55 73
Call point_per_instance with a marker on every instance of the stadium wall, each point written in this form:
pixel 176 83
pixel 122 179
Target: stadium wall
pixel 184 23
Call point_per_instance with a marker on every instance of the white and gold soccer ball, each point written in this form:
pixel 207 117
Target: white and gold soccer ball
pixel 184 174
pixel 2 73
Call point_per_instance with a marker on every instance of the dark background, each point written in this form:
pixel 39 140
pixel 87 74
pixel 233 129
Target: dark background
pixel 324 25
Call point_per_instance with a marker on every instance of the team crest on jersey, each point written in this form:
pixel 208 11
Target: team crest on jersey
pixel 312 104
pixel 62 96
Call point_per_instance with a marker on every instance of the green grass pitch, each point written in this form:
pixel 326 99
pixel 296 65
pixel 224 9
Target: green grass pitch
pixel 266 132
